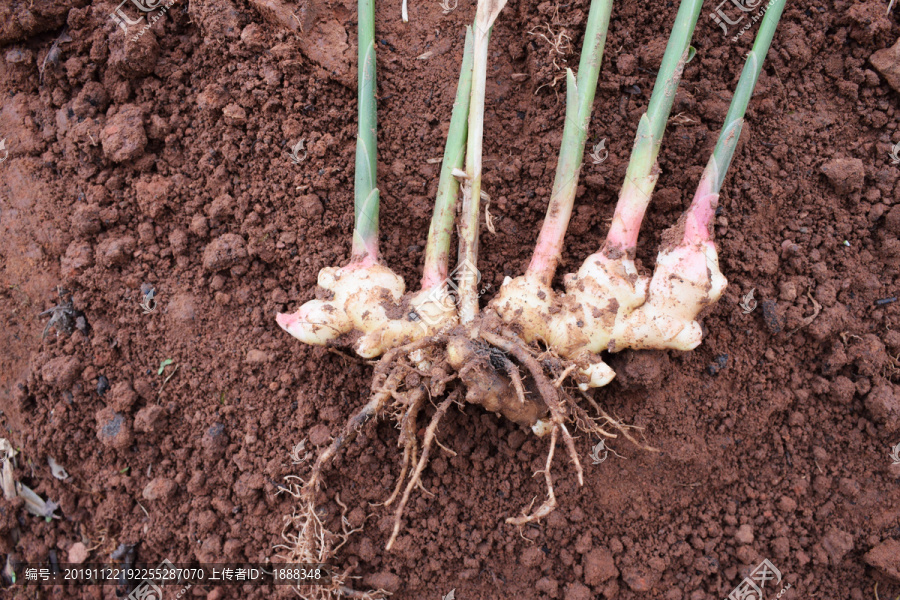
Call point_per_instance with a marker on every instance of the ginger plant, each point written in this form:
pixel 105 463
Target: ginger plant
pixel 365 292
pixel 608 305
pixel 515 357
pixel 366 297
pixel 582 323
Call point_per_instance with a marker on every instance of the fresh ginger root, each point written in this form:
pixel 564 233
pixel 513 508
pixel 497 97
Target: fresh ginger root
pixel 369 301
pixel 607 305
pixel 581 323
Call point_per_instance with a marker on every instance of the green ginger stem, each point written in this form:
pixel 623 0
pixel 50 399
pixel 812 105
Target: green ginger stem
pixel 437 249
pixel 467 267
pixel 365 194
pixel 734 120
pixel 706 199
pixel 579 102
pixel 642 173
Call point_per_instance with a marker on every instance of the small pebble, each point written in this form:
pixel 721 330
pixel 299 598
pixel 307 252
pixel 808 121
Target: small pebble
pixel 721 363
pixel 744 534
pixel 102 385
pixel 160 488
pixel 78 553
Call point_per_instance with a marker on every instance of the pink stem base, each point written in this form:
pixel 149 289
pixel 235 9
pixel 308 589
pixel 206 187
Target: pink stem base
pixel 432 277
pixel 363 254
pixel 548 249
pixel 698 218
pixel 626 223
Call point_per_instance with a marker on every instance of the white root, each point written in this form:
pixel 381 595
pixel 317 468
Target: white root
pixel 549 504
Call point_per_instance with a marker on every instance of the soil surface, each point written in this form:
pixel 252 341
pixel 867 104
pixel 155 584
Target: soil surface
pixel 164 163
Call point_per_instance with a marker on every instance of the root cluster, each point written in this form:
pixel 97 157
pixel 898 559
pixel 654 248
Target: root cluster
pixel 482 363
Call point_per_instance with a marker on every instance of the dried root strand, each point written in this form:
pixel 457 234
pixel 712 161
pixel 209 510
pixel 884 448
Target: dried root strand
pixel 408 438
pixel 585 423
pixel 430 434
pixel 384 387
pixel 515 377
pixel 374 407
pixel 623 429
pixel 549 393
pixel 549 504
pixel 562 377
pixel 311 544
pixel 386 367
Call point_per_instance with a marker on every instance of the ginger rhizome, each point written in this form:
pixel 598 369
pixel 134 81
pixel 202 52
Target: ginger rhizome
pixel 533 349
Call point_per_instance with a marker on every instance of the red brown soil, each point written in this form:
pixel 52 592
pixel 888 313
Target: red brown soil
pixel 164 162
